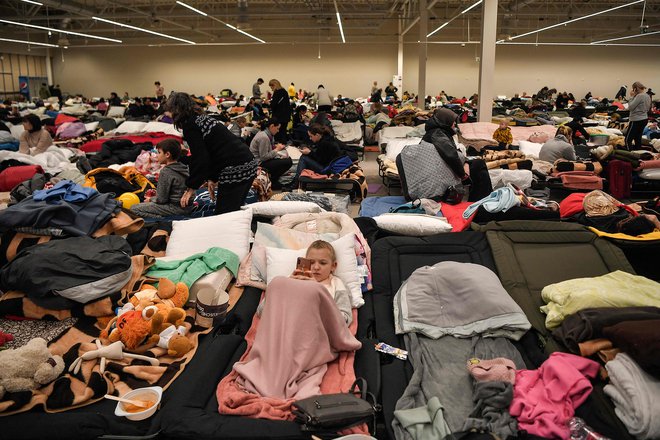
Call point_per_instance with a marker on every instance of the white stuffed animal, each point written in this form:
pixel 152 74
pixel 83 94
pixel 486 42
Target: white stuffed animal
pixel 28 367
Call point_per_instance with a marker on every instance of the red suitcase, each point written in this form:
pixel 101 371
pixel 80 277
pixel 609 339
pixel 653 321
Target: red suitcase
pixel 12 176
pixel 620 178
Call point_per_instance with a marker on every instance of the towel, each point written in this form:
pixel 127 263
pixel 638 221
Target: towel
pixel 499 200
pixel 636 397
pixel 195 266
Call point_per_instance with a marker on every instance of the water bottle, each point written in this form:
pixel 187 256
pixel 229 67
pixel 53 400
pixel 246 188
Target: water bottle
pixel 581 431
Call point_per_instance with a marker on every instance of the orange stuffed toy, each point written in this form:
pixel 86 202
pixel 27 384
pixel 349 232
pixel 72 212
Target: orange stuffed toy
pixel 154 311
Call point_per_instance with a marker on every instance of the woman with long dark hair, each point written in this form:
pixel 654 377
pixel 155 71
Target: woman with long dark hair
pixel 324 149
pixel 218 157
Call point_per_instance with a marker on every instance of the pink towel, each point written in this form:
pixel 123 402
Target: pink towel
pixel 302 348
pixel 545 399
pixel 648 164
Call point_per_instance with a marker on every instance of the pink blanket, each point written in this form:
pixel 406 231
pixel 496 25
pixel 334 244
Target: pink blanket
pixel 303 348
pixel 483 131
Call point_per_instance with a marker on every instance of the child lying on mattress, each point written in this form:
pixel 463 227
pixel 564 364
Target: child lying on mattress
pixel 323 264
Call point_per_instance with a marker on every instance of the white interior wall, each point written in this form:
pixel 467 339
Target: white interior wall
pixel 349 69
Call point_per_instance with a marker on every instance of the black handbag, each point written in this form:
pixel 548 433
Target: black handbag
pixel 334 412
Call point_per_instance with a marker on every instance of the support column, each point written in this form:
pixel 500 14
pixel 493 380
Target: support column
pixel 49 67
pixel 423 31
pixel 487 62
pixel 399 64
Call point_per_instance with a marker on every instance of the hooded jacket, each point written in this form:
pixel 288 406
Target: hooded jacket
pixel 440 133
pixel 172 184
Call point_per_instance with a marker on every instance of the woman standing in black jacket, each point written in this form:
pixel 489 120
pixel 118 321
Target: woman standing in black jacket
pixel 324 150
pixel 218 157
pixel 280 108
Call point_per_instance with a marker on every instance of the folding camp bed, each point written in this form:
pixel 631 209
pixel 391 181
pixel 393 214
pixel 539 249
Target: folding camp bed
pixel 532 255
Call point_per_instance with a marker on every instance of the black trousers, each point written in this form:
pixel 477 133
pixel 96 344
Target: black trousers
pixel 481 184
pixel 325 108
pixel 634 135
pixel 276 167
pixel 578 128
pixel 232 196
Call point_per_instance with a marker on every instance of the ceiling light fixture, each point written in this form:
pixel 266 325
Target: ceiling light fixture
pixel 43 28
pixel 33 2
pixel 192 9
pixel 437 29
pixel 455 17
pixel 525 43
pixel 563 23
pixel 624 38
pixel 341 28
pixel 473 6
pixel 143 30
pixel 219 21
pixel 28 42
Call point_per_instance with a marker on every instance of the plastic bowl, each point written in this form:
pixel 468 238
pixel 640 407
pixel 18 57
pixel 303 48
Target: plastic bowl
pixel 148 393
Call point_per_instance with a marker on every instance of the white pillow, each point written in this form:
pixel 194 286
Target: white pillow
pixel 16 130
pixel 276 208
pixel 531 150
pixel 162 127
pixel 91 126
pixel 130 127
pixel 417 225
pixel 281 238
pixel 116 111
pixel 396 132
pixel 282 262
pixel 229 231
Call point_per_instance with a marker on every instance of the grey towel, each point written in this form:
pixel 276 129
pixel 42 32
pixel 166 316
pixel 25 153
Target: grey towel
pixel 491 413
pixel 439 371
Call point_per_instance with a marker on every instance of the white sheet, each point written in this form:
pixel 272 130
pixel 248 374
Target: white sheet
pixel 395 145
pixel 349 132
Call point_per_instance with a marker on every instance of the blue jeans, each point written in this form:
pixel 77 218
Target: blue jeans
pixel 306 163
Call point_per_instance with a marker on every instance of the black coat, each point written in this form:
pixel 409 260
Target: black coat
pixel 325 151
pixel 441 136
pixel 280 106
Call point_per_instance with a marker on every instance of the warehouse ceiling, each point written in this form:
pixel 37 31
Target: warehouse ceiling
pixel 217 22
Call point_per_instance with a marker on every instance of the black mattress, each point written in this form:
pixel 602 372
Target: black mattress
pixel 393 260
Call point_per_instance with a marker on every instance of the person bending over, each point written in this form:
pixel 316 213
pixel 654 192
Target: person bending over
pixel 35 139
pixel 171 184
pixel 217 157
pixel 271 155
pixel 560 147
pixel 323 151
pixel 578 113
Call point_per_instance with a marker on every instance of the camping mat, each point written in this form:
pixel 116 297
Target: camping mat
pixel 532 255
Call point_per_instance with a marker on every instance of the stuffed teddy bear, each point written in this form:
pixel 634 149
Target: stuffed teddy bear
pixel 28 367
pixel 154 311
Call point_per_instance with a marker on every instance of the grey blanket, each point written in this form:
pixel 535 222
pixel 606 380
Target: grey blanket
pixel 440 371
pixel 459 299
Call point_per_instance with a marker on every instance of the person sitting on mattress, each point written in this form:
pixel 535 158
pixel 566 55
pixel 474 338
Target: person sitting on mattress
pixel 560 147
pixel 323 151
pixel 503 136
pixel 272 155
pixel 171 184
pixel 35 139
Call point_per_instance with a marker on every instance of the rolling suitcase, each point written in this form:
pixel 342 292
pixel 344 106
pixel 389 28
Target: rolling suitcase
pixel 620 178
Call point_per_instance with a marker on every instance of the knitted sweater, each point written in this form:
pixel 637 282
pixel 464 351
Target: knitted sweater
pixel 35 143
pixel 639 107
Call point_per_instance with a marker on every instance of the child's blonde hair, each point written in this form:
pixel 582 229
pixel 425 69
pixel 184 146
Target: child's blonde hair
pixel 322 244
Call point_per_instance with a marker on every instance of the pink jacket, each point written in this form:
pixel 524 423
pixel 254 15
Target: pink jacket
pixel 545 399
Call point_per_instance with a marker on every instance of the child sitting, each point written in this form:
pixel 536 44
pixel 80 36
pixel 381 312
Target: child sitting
pixel 503 135
pixel 324 262
pixel 171 184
